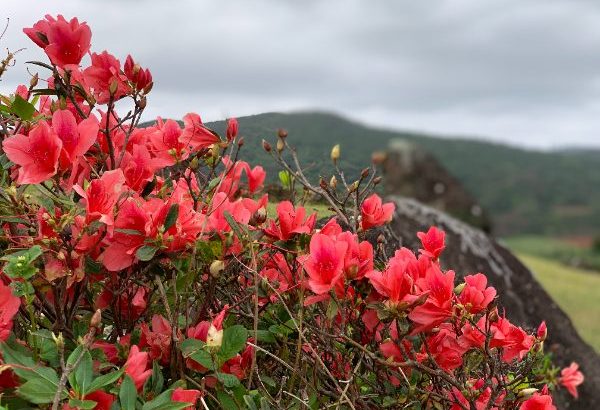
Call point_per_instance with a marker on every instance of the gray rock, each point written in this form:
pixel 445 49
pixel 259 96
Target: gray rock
pixel 470 250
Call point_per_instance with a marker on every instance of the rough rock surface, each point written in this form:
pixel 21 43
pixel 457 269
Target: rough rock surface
pixel 469 250
pixel 413 172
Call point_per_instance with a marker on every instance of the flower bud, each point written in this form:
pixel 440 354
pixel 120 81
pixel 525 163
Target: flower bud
pixel 214 338
pixel 216 267
pixel 148 88
pixel 34 80
pixel 335 153
pixel 281 133
pixel 96 319
pixel 377 180
pixel 493 317
pixel 333 182
pixel 266 146
pixel 258 217
pixel 365 173
pixel 280 145
pixel 112 88
pixel 241 142
pixel 459 288
pixel 353 187
pixel 142 103
pixel 322 184
pixel 527 392
pixel 542 331
pixel 378 157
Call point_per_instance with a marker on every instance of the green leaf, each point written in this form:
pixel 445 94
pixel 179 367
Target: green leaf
pixel 20 264
pixel 127 394
pixel 163 402
pixel 172 216
pixel 191 346
pixel 204 358
pixel 22 108
pixel 250 402
pixel 103 381
pixel 234 340
pixel 265 336
pixel 228 380
pixel 81 376
pixel 226 401
pixel 25 367
pixel 82 404
pixel 146 253
pixel 157 380
pixel 38 390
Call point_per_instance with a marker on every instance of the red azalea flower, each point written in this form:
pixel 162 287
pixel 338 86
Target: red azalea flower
pixel 76 138
pixel 475 296
pixel 186 396
pixel 104 401
pixel 375 213
pixel 291 221
pixel 9 306
pixel 105 78
pixel 166 143
pixel 36 154
pixel 158 339
pixel 195 134
pixel 438 306
pixel 136 367
pixel 570 378
pixel 325 263
pixel 513 340
pixel 394 284
pixel 65 42
pixel 141 79
pixel 539 401
pixel 256 177
pixel 101 196
pixel 433 242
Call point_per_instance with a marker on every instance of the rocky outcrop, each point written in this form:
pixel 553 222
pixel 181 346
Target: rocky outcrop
pixel 412 172
pixel 470 250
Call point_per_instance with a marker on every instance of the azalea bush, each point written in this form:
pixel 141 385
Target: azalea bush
pixel 141 270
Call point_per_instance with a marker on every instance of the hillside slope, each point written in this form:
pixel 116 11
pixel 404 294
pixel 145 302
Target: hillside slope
pixel 526 191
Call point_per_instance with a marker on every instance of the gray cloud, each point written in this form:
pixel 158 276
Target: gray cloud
pixel 518 71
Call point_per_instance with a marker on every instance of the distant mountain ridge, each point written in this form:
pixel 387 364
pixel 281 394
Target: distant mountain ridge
pixel 526 191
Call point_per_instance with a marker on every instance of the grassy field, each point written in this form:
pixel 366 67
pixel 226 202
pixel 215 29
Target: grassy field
pixel 559 250
pixel 576 291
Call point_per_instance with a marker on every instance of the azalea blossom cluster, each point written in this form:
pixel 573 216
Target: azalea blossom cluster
pixel 145 267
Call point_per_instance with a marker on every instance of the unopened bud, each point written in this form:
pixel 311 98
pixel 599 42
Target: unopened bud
pixel 59 340
pixel 96 319
pixel 34 80
pixel 148 88
pixel 214 338
pixel 378 157
pixel 377 180
pixel 493 317
pixel 112 88
pixel 281 133
pixel 365 173
pixel 528 392
pixel 322 184
pixel 381 238
pixel 335 153
pixel 142 103
pixel 258 217
pixel 542 331
pixel 266 146
pixel 353 187
pixel 216 268
pixel 333 182
pixel 280 145
pixel 459 288
pixel 241 142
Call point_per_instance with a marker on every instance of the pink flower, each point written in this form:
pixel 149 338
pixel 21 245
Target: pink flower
pixel 256 177
pixel 374 213
pixel 104 401
pixel 539 401
pixel 101 196
pixel 136 367
pixel 232 129
pixel 76 138
pixel 65 42
pixel 325 263
pixel 141 79
pixel 9 306
pixel 167 145
pixel 139 167
pixel 394 284
pixel 475 296
pixel 186 396
pixel 158 339
pixel 433 242
pixel 105 78
pixel 513 340
pixel 438 306
pixel 37 154
pixel 570 378
pixel 291 221
pixel 195 134
pixel 542 331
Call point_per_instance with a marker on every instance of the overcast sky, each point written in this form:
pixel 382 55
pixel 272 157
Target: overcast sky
pixel 524 72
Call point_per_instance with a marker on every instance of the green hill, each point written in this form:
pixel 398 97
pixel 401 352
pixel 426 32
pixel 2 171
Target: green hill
pixel 526 191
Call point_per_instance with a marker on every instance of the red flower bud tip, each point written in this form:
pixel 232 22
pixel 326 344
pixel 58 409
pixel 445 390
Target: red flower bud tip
pixel 281 133
pixel 232 129
pixel 266 146
pixel 542 331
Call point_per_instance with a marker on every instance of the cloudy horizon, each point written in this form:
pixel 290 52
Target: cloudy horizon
pixel 523 72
